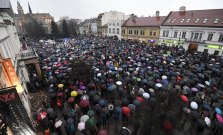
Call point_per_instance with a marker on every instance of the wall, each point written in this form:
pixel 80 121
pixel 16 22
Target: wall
pixel 113 15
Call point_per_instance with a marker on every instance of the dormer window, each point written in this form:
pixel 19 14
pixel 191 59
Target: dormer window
pixel 173 20
pixel 182 21
pixel 216 20
pixel 188 20
pixel 205 20
pixel 168 20
pixel 197 20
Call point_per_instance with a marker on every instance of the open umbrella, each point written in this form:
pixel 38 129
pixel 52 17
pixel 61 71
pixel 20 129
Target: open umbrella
pixel 110 106
pixel 140 99
pixel 60 94
pixel 131 107
pixel 53 115
pixel 91 122
pixel 60 85
pixel 70 99
pixel 70 121
pixel 220 119
pixel 81 126
pixel 102 102
pixel 206 106
pixel 96 98
pixel 84 103
pixel 66 111
pixel 42 116
pixel 119 83
pixel 83 97
pixel 49 110
pixel 195 115
pixel 84 118
pixel 74 93
pixel 218 111
pixel 105 110
pixel 184 98
pixel 146 95
pixel 126 110
pixel 201 122
pixel 125 131
pixel 118 109
pixel 103 132
pixel 193 105
pixel 90 113
pixel 58 123
pixel 168 125
pixel 207 121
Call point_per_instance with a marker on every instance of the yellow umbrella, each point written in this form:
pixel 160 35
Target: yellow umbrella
pixel 60 85
pixel 73 93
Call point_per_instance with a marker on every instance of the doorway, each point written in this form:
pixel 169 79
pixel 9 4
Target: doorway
pixel 192 47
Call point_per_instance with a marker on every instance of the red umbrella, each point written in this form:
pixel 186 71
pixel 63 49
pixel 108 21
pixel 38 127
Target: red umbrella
pixel 215 89
pixel 71 99
pixel 60 94
pixel 81 83
pixel 184 98
pixel 179 78
pixel 206 113
pixel 84 103
pixel 103 132
pixel 168 125
pixel 126 110
pixel 140 99
pixel 42 116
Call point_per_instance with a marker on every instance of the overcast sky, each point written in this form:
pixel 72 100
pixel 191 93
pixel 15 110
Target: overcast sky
pixel 84 9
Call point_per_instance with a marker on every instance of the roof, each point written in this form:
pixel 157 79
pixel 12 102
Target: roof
pixel 100 16
pixel 46 15
pixel 193 15
pixel 5 4
pixel 75 20
pixel 105 26
pixel 85 23
pixel 144 21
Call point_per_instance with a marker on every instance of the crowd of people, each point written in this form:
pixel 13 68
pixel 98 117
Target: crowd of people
pixel 95 83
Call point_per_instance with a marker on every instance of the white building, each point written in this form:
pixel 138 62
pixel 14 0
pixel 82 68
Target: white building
pixel 10 47
pixel 200 30
pixel 114 28
pixel 94 26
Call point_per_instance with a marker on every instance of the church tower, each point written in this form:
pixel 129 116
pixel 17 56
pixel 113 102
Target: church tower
pixel 19 8
pixel 30 10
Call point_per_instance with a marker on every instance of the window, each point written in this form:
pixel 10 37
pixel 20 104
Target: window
pixel 113 24
pixel 182 21
pixel 192 35
pixel 184 35
pixel 150 33
pixel 220 38
pixel 196 35
pixel 175 34
pixel 168 20
pixel 197 20
pixel 200 36
pixel 135 32
pixel 205 20
pixel 117 31
pixel 130 32
pixel 174 20
pixel 114 30
pixel 154 33
pixel 142 32
pixel 167 33
pixel 109 24
pixel 109 30
pixel 188 20
pixel 117 24
pixel 123 31
pixel 216 20
pixel 210 37
pixel 164 33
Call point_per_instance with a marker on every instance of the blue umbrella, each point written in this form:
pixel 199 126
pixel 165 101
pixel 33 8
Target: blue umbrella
pixel 136 102
pixel 206 106
pixel 110 88
pixel 111 67
pixel 50 90
pixel 124 66
pixel 121 90
pixel 165 81
pixel 118 109
pixel 218 111
pixel 102 102
pixel 161 70
pixel 144 81
pixel 50 73
pixel 59 76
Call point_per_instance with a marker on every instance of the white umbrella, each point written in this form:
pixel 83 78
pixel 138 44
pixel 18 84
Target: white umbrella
pixel 146 95
pixel 84 118
pixel 207 83
pixel 193 105
pixel 81 126
pixel 99 74
pixel 96 69
pixel 207 121
pixel 164 77
pixel 159 85
pixel 119 83
pixel 58 123
pixel 141 90
pixel 151 90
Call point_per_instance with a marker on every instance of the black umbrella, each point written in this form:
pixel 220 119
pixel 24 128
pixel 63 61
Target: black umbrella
pixel 125 102
pixel 53 115
pixel 125 131
pixel 195 115
pixel 92 93
pixel 66 111
pixel 96 98
pixel 201 122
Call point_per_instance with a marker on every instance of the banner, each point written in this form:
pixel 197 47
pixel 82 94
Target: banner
pixel 18 120
pixel 11 74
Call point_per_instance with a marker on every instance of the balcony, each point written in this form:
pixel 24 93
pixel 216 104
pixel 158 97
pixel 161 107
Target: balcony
pixel 195 41
pixel 27 54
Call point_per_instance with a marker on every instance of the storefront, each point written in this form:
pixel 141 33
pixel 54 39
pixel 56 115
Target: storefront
pixel 212 49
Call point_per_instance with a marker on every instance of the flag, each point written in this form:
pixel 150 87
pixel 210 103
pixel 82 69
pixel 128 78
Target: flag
pixel 24 47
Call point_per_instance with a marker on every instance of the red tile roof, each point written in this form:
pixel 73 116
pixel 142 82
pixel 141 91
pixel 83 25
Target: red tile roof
pixel 144 21
pixel 210 15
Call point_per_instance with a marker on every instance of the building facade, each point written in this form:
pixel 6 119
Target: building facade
pixel 21 19
pixel 114 28
pixel 142 29
pixel 11 50
pixel 196 30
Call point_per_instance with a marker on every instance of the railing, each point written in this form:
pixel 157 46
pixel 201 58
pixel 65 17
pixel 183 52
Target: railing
pixel 27 54
pixel 195 40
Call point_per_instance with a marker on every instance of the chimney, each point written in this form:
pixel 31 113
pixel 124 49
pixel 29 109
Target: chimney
pixel 157 13
pixel 182 8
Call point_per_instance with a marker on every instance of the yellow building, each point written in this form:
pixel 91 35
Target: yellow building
pixel 142 29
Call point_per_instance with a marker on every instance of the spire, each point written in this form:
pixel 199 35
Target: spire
pixel 30 10
pixel 19 8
